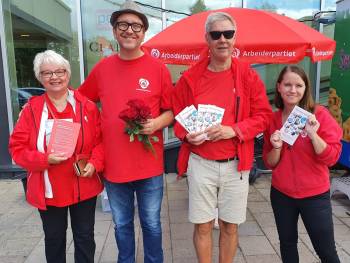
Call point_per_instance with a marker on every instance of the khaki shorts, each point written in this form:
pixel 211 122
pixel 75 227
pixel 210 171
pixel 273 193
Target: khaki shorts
pixel 213 184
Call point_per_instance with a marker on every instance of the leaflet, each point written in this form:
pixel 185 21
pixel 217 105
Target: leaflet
pixel 208 115
pixel 189 118
pixel 203 118
pixel 63 137
pixel 197 121
pixel 181 121
pixel 48 128
pixel 217 114
pixel 294 125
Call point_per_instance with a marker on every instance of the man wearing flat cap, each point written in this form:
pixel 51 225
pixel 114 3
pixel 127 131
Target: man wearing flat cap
pixel 129 167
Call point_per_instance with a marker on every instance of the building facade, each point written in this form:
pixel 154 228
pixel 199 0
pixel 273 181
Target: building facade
pixel 81 32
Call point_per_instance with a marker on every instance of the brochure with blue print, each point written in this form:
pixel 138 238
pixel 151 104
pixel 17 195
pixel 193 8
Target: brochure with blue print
pixel 187 118
pixel 194 120
pixel 208 115
pixel 294 125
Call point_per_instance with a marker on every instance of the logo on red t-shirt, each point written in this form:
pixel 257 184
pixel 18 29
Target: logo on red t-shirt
pixel 144 83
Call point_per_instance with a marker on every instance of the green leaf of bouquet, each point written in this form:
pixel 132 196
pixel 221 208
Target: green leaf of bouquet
pixel 128 130
pixel 155 138
pixel 140 137
pixel 137 130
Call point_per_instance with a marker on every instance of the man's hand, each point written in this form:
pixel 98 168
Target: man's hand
pixel 149 127
pixel 220 132
pixel 56 158
pixel 196 138
pixel 88 171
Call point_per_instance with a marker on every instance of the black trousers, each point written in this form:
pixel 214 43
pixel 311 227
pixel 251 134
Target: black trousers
pixel 55 222
pixel 316 213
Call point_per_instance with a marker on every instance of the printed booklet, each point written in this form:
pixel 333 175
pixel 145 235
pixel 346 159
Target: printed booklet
pixel 294 125
pixel 63 137
pixel 197 121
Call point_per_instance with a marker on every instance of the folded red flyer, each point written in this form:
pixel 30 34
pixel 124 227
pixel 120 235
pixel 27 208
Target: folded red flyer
pixel 64 136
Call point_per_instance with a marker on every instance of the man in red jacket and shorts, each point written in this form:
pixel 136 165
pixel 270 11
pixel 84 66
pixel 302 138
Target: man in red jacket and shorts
pixel 220 157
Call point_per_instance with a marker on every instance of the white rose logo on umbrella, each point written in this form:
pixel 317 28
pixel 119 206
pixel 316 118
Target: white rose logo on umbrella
pixel 236 52
pixel 155 53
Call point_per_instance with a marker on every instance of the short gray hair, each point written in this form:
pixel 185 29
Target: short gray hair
pixel 218 16
pixel 50 57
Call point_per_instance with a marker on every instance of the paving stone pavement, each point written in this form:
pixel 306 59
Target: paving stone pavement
pixel 22 239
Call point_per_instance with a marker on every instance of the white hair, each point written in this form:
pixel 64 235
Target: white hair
pixel 50 57
pixel 218 16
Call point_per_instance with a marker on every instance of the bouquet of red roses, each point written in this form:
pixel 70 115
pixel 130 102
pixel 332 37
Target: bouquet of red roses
pixel 137 113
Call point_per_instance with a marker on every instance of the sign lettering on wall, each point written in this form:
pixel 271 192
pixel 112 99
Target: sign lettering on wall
pixel 102 19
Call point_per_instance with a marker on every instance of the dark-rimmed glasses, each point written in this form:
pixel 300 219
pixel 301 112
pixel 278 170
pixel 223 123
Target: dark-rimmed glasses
pixel 124 26
pixel 228 34
pixel 58 73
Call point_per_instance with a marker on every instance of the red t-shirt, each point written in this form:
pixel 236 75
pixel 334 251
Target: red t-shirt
pixel 62 174
pixel 113 82
pixel 217 88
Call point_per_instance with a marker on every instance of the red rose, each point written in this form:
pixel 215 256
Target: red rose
pixel 137 113
pixel 128 115
pixel 137 104
pixel 145 113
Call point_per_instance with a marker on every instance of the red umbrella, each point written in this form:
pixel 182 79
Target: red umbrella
pixel 262 37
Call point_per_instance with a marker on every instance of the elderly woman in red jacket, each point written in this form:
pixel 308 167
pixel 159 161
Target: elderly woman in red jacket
pixel 53 186
pixel 300 176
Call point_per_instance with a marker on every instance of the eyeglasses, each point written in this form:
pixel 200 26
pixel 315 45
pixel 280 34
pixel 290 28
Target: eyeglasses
pixel 48 74
pixel 124 26
pixel 228 34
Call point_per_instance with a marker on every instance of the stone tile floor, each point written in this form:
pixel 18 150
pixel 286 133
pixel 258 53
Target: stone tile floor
pixel 22 240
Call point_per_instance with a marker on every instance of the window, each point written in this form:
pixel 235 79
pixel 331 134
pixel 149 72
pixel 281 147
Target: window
pixel 34 26
pixel 98 39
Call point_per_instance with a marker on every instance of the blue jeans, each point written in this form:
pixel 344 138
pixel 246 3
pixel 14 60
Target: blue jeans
pixel 149 194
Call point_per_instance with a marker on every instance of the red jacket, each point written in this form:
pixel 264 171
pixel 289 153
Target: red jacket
pixel 23 148
pixel 253 110
pixel 301 172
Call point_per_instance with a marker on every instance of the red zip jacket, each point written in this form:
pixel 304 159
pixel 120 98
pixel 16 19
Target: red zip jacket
pixel 301 172
pixel 252 109
pixel 23 148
